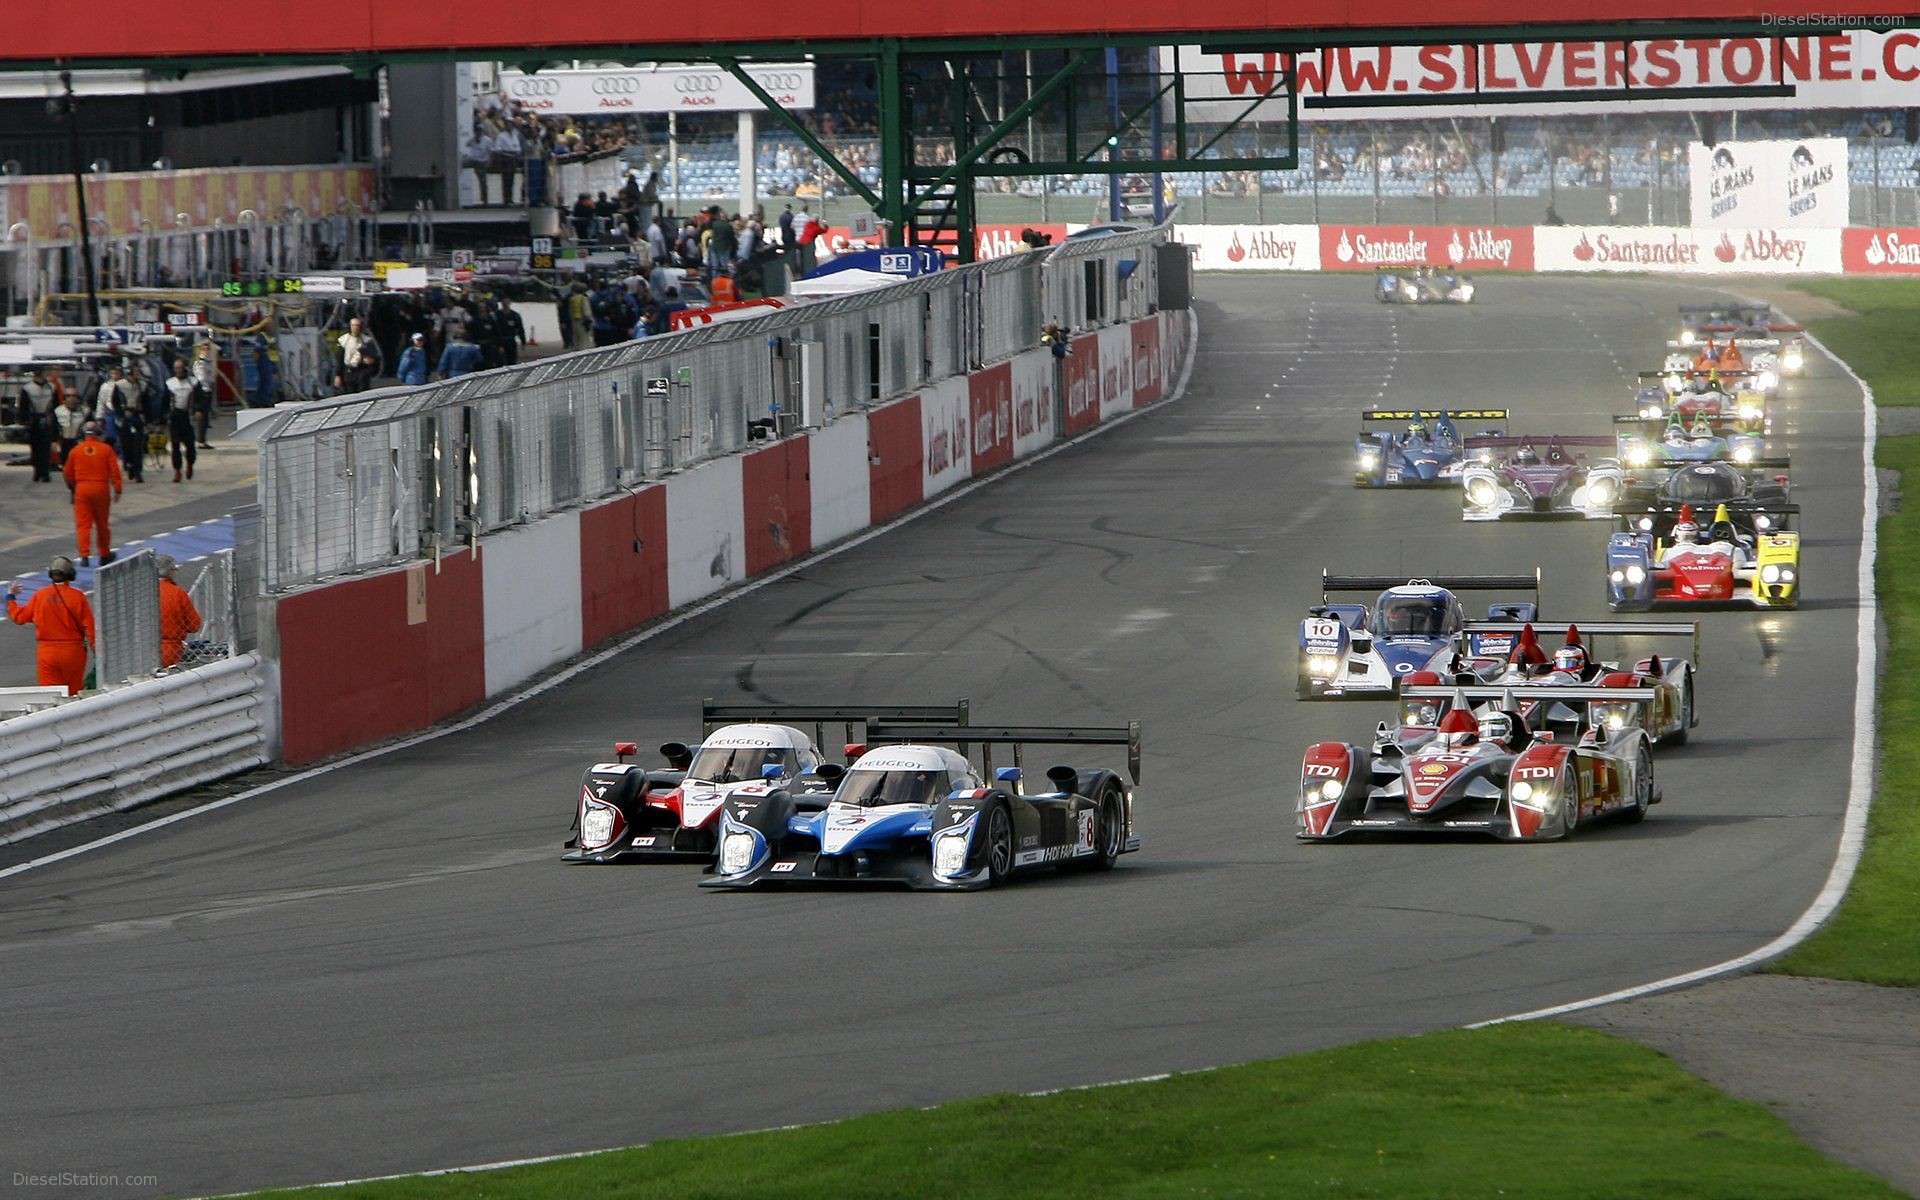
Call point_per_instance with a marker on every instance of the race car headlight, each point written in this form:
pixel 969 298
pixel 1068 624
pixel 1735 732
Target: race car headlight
pixel 1768 381
pixel 1638 456
pixel 1616 721
pixel 1770 573
pixel 1331 789
pixel 1686 337
pixel 1786 574
pixel 950 854
pixel 1322 664
pixel 1743 455
pixel 1618 576
pixel 596 825
pixel 1752 412
pixel 1762 521
pixel 1636 574
pixel 1523 791
pixel 1481 492
pixel 1368 460
pixel 1649 412
pixel 1466 291
pixel 1600 491
pixel 1792 360
pixel 1644 524
pixel 736 853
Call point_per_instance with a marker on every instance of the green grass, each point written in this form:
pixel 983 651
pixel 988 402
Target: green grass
pixel 1875 937
pixel 1882 343
pixel 1541 1111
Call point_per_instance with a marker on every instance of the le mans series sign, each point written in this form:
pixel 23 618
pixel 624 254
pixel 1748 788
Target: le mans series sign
pixel 1770 184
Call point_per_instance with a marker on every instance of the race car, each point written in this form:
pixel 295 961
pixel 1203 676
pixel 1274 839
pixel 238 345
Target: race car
pixel 915 812
pixel 1747 556
pixel 1508 653
pixel 1537 477
pixel 1352 651
pixel 1483 773
pixel 1420 455
pixel 1751 327
pixel 1422 285
pixel 1646 445
pixel 629 813
pixel 1722 398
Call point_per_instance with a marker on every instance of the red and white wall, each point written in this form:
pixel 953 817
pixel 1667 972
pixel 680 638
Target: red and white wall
pixel 431 642
pixel 1655 249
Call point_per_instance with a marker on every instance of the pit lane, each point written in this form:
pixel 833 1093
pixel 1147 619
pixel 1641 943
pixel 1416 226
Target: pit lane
pixel 388 969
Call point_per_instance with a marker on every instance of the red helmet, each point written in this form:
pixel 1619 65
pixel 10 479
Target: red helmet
pixel 1570 658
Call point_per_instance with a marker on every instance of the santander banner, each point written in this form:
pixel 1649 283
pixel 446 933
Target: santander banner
pixel 1462 247
pixel 1880 251
pixel 1686 251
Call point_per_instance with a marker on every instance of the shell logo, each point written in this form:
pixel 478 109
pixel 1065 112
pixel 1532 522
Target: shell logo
pixel 1433 769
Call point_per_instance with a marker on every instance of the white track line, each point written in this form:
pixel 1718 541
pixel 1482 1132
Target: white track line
pixel 1853 832
pixel 634 639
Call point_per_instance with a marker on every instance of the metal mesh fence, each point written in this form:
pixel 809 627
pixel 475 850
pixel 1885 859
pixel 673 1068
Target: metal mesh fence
pixel 214 598
pixel 126 615
pixel 388 476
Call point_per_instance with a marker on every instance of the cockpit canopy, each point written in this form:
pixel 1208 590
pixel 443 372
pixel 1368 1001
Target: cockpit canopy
pixel 1707 483
pixel 1425 614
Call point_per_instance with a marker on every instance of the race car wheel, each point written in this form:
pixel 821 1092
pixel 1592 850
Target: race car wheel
pixel 999 844
pixel 1109 830
pixel 1569 801
pixel 1686 712
pixel 1642 785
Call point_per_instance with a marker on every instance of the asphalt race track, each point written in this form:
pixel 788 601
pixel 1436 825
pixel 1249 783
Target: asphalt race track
pixel 387 968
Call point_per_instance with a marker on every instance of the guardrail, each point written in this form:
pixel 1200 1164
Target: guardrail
pixel 406 474
pixel 118 749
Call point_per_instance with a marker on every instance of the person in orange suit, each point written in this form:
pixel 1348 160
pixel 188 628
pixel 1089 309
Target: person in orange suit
pixel 91 468
pixel 62 620
pixel 178 616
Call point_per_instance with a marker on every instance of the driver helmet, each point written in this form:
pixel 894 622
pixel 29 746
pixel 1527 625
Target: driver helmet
pixel 1525 456
pixel 1701 426
pixel 1570 658
pixel 1416 429
pixel 1686 533
pixel 1496 727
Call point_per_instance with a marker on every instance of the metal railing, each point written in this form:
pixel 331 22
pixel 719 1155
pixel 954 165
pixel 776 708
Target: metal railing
pixel 130 625
pixel 404 473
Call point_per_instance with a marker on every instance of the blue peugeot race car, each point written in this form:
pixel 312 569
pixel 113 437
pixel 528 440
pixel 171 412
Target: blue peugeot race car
pixel 1422 454
pixel 918 813
pixel 1352 651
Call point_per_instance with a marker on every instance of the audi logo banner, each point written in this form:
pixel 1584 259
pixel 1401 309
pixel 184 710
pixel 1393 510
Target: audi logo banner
pixel 658 90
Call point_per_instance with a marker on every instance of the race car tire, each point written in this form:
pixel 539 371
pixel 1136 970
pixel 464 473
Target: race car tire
pixel 1569 801
pixel 1686 712
pixel 1109 829
pixel 1642 788
pixel 999 849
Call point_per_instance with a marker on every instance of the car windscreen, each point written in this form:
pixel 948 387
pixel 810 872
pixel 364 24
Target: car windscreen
pixel 871 789
pixel 1425 616
pixel 737 764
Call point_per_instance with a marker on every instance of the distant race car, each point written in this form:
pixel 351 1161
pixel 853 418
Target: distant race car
pixel 1646 445
pixel 1421 455
pixel 1353 651
pixel 1423 285
pixel 916 812
pixel 1537 477
pixel 1746 556
pixel 1509 654
pixel 1724 399
pixel 628 813
pixel 1751 327
pixel 1483 773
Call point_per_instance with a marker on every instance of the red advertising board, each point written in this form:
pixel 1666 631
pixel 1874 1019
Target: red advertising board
pixel 623 564
pixel 1880 251
pixel 991 394
pixel 1082 371
pixel 777 503
pixel 1147 378
pixel 1464 247
pixel 990 241
pixel 893 450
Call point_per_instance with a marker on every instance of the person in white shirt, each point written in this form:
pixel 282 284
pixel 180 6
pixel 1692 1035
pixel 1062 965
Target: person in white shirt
pixel 183 392
pixel 505 149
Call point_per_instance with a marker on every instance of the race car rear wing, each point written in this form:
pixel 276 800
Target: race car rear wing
pixel 1434 414
pixel 1719 372
pixel 1558 629
pixel 1491 441
pixel 853 718
pixel 1457 583
pixel 1017 736
pixel 1505 693
pixel 1662 518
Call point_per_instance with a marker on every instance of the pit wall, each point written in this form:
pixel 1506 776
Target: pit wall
pixel 1652 249
pixel 428 641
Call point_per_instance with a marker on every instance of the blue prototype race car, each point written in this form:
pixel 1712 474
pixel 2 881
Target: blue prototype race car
pixel 1351 651
pixel 917 813
pixel 1421 455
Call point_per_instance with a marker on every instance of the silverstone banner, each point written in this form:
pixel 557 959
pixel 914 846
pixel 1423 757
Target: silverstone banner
pixel 1748 185
pixel 1863 68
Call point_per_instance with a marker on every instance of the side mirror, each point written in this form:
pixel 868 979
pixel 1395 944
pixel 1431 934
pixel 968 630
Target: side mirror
pixel 623 750
pixel 772 771
pixel 855 750
pixel 1007 775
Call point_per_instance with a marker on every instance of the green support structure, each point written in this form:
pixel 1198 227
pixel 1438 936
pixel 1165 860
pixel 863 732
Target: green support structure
pixel 853 181
pixel 895 151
